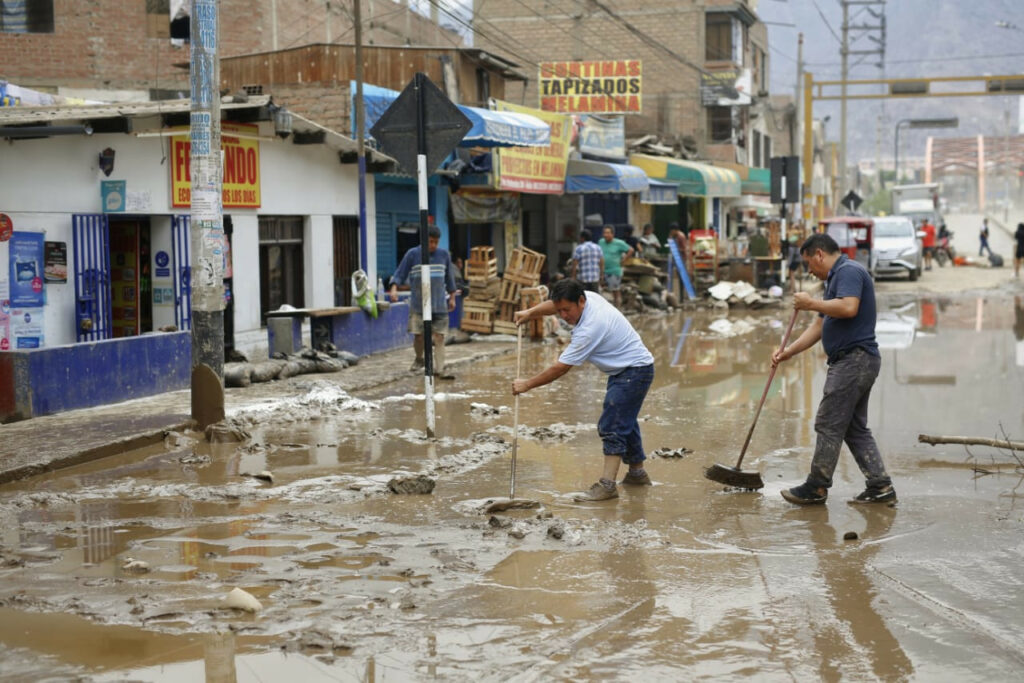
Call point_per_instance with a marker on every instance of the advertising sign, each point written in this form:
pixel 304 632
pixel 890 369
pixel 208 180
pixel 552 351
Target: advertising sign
pixel 595 87
pixel 537 170
pixel 603 136
pixel 726 88
pixel 5 318
pixel 6 227
pixel 26 328
pixel 26 269
pixel 56 268
pixel 241 174
pixel 112 192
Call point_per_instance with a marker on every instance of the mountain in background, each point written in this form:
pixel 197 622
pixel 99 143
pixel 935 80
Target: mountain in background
pixel 924 38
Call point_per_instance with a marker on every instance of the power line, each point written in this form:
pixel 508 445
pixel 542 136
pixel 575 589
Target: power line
pixel 827 25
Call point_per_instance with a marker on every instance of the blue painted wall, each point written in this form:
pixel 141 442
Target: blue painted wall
pixel 55 379
pixel 361 334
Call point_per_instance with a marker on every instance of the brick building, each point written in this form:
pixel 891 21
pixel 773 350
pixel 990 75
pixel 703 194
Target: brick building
pixel 119 49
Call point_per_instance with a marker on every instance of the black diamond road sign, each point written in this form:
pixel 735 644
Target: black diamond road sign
pixel 445 125
pixel 852 200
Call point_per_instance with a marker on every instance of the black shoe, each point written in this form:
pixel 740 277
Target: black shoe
pixel 642 479
pixel 444 375
pixel 875 494
pixel 805 494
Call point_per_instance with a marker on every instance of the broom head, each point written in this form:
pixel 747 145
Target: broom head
pixel 736 478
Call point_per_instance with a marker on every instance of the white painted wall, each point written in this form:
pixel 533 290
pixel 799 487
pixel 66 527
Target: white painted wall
pixel 45 181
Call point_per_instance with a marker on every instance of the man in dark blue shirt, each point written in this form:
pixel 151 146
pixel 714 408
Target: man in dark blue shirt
pixel 409 266
pixel 845 324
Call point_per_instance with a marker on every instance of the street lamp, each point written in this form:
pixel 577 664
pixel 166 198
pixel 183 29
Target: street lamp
pixel 917 123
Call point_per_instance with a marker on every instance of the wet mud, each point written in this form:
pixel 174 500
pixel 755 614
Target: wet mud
pixel 676 581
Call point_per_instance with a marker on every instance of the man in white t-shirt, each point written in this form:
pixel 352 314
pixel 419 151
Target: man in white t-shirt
pixel 603 336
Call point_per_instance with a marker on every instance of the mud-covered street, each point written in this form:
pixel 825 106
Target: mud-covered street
pixel 118 569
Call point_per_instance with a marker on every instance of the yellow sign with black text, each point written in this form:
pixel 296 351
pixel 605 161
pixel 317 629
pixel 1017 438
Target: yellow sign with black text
pixel 596 87
pixel 240 175
pixel 535 170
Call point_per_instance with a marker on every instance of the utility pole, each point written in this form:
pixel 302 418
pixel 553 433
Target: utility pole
pixel 207 222
pixel 805 184
pixel 357 16
pixel 844 52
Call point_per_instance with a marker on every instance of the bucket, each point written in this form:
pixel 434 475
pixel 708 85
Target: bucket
pixel 438 296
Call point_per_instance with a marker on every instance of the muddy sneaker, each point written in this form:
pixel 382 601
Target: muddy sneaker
pixel 875 494
pixel 805 494
pixel 639 478
pixel 416 365
pixel 597 492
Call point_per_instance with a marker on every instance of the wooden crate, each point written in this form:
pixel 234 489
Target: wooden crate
pixel 531 296
pixel 481 254
pixel 477 316
pixel 505 327
pixel 524 266
pixel 482 290
pixel 509 291
pixel 506 312
pixel 481 271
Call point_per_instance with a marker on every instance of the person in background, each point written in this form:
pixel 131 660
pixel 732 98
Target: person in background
pixel 649 242
pixel 1018 254
pixel 460 278
pixel 614 250
pixel 983 238
pixel 928 243
pixel 587 262
pixel 439 317
pixel 631 239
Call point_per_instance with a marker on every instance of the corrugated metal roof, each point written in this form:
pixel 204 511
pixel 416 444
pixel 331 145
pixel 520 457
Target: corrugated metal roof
pixel 17 115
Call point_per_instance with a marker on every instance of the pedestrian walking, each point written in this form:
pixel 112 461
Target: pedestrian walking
pixel 1018 254
pixel 588 262
pixel 845 325
pixel 439 311
pixel 603 336
pixel 614 250
pixel 983 238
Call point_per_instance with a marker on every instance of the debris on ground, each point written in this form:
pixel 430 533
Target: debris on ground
pixel 417 484
pixel 134 566
pixel 242 600
pixel 671 452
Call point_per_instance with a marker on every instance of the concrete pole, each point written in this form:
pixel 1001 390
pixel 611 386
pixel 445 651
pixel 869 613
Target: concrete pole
pixel 361 140
pixel 808 175
pixel 805 181
pixel 273 24
pixel 840 187
pixel 207 224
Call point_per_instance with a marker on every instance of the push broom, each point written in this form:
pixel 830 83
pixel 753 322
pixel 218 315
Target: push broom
pixel 734 476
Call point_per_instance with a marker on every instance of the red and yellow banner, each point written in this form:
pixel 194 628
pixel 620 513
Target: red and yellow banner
pixel 535 170
pixel 241 172
pixel 598 87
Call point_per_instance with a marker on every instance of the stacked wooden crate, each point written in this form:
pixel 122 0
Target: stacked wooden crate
pixel 522 272
pixel 484 288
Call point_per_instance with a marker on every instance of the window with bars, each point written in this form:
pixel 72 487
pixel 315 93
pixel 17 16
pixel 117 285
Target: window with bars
pixel 26 16
pixel 720 124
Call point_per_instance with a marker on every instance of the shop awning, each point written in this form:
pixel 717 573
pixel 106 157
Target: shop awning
pixel 695 179
pixel 660 192
pixel 752 180
pixel 583 176
pixel 490 128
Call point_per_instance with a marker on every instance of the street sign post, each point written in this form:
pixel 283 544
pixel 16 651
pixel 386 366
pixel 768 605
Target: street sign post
pixel 785 187
pixel 420 129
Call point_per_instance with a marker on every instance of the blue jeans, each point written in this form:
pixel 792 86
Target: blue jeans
pixel 618 426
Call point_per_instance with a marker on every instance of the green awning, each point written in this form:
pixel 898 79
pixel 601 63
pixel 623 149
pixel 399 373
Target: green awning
pixel 758 181
pixel 694 179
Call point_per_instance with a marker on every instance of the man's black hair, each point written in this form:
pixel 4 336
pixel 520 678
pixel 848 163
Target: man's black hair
pixel 434 231
pixel 819 240
pixel 586 235
pixel 567 290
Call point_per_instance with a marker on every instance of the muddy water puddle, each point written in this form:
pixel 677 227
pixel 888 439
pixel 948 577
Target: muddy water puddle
pixel 678 580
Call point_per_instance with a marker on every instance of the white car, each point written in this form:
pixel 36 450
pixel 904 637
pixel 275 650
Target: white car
pixel 897 248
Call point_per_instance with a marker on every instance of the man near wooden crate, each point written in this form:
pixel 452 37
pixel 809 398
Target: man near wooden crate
pixel 602 335
pixel 588 262
pixel 614 250
pixel 439 316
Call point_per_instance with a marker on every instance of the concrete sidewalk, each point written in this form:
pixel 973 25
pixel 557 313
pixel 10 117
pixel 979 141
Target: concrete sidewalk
pixel 51 442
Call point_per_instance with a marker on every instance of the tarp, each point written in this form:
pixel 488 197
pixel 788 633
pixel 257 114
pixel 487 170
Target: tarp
pixel 659 192
pixel 695 179
pixel 490 128
pixel 587 177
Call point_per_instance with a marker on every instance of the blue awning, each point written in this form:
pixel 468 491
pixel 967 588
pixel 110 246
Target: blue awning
pixel 490 128
pixel 587 177
pixel 660 192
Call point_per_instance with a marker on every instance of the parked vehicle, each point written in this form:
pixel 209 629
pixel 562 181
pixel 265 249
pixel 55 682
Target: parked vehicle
pixel 897 248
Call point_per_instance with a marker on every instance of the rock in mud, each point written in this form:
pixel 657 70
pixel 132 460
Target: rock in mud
pixel 223 432
pixel 556 531
pixel 134 566
pixel 195 460
pixel 265 475
pixel 517 533
pixel 498 522
pixel 416 484
pixel 242 600
pixel 850 536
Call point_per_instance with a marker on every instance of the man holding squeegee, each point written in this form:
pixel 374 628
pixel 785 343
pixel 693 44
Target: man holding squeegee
pixel 602 335
pixel 845 324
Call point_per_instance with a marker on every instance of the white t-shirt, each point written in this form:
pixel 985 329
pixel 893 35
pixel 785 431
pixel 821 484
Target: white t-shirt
pixel 605 338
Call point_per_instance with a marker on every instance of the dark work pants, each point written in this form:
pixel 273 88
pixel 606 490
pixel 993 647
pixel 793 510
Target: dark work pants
pixel 843 416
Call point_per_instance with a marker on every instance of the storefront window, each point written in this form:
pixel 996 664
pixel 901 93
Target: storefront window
pixel 281 263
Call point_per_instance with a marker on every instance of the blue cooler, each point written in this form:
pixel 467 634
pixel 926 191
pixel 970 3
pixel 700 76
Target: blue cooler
pixel 438 297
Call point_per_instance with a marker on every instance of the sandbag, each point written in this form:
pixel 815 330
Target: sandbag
pixel 330 365
pixel 237 374
pixel 290 369
pixel 266 371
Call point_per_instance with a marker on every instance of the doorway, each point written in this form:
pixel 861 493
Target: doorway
pixel 346 257
pixel 131 282
pixel 281 263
